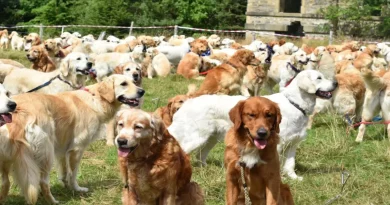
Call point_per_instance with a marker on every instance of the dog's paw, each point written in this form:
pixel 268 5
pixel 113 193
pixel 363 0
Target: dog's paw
pixel 81 189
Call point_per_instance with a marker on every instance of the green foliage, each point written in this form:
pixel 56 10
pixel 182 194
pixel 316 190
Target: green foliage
pixel 214 14
pixel 353 17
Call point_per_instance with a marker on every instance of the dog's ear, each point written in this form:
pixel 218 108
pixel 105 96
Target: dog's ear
pixel 316 51
pixel 64 66
pixel 306 84
pixel 158 126
pixel 235 115
pixel 278 119
pixel 293 59
pixel 119 69
pixel 106 89
pixel 38 41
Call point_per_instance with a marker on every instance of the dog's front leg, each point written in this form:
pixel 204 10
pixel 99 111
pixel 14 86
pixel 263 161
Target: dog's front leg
pixel 129 196
pixel 5 182
pixel 232 185
pixel 168 197
pixel 273 180
pixel 74 163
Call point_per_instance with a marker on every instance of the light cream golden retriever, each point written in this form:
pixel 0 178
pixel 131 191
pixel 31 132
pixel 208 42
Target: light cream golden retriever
pixel 47 127
pixel 70 76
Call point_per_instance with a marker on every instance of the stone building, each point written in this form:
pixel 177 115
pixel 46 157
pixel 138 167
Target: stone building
pixel 286 16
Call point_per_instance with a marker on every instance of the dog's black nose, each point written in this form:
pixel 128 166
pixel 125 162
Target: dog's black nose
pixel 121 141
pixel 11 105
pixel 28 55
pixel 262 133
pixel 335 83
pixel 135 75
pixel 89 65
pixel 141 92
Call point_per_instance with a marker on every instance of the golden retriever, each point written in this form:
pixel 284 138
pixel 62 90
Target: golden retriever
pixel 166 113
pixel 127 47
pixel 154 168
pixel 227 77
pixel 32 39
pixel 191 63
pixel 53 48
pixel 58 126
pixel 40 59
pixel 252 143
pixel 132 70
pixel 4 42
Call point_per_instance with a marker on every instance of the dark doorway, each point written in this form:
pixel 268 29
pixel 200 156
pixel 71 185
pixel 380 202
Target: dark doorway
pixel 294 29
pixel 290 6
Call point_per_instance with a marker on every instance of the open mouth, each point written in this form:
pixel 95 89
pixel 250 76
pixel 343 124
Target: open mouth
pixel 84 72
pixel 131 102
pixel 260 143
pixel 304 62
pixel 5 118
pixel 324 94
pixel 31 59
pixel 124 151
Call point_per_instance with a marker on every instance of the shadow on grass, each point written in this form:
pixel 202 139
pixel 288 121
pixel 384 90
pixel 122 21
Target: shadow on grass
pixel 320 169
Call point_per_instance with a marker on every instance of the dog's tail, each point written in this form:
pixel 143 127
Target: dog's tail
pixel 27 175
pixel 373 80
pixel 191 194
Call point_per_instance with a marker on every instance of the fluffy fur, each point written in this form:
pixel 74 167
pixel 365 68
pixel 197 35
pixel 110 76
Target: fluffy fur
pixel 253 141
pixel 201 122
pixel 227 77
pixel 73 69
pixel 47 127
pixel 154 167
pixel 40 59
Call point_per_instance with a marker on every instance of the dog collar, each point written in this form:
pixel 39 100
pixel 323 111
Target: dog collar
pixel 296 106
pixel 293 68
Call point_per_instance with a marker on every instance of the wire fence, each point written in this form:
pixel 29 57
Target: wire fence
pixel 176 29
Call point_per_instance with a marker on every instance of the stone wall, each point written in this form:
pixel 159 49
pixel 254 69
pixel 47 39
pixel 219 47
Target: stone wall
pixel 264 15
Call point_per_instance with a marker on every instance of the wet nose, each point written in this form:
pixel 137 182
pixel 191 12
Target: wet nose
pixel 28 55
pixel 89 65
pixel 122 142
pixel 335 83
pixel 135 75
pixel 11 105
pixel 141 92
pixel 262 132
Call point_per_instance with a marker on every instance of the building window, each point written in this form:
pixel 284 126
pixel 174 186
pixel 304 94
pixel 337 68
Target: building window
pixel 290 6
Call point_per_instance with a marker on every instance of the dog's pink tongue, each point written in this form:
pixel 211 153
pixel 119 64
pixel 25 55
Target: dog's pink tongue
pixel 123 152
pixel 7 117
pixel 261 144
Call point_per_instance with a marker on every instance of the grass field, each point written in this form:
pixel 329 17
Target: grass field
pixel 320 160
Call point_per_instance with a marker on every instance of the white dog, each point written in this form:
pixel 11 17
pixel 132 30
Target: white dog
pixel 17 42
pixel 384 51
pixel 284 68
pixel 105 63
pixel 174 53
pixel 286 49
pixel 203 121
pixel 70 76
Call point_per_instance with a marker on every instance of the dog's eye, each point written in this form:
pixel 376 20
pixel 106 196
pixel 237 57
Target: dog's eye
pixel 268 115
pixel 138 127
pixel 251 115
pixel 78 59
pixel 319 78
pixel 138 69
pixel 127 69
pixel 120 124
pixel 181 101
pixel 8 94
pixel 124 84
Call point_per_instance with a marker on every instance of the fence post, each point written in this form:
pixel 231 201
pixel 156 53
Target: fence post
pixel 62 30
pixel 175 30
pixel 131 28
pixel 41 31
pixel 330 37
pixel 253 36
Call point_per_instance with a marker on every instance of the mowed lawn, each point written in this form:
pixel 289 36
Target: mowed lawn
pixel 327 151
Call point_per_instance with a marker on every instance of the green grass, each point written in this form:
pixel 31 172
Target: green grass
pixel 320 159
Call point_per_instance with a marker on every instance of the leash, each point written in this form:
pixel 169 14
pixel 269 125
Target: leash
pixel 296 70
pixel 245 186
pixel 344 178
pixel 43 85
pixel 50 81
pixel 375 121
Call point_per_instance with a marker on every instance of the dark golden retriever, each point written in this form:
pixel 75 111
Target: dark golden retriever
pixel 252 144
